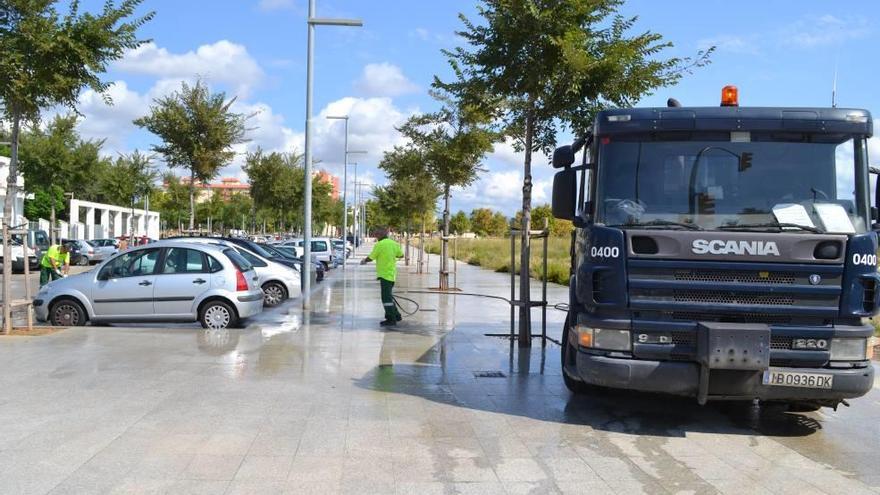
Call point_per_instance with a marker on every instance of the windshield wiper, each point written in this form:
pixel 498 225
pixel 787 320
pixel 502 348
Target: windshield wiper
pixel 780 226
pixel 660 223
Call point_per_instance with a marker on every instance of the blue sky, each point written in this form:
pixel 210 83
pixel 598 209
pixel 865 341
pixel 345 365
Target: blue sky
pixel 780 53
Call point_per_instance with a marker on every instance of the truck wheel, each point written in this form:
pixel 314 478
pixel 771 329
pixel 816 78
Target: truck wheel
pixel 568 357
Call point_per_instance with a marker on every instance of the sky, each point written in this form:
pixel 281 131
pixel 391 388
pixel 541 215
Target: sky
pixel 781 53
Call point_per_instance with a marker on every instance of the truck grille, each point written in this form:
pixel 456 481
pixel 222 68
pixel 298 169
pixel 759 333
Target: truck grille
pixel 721 297
pixel 734 276
pixel 732 291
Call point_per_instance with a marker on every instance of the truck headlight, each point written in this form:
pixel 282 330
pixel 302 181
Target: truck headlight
pixel 849 349
pixel 604 338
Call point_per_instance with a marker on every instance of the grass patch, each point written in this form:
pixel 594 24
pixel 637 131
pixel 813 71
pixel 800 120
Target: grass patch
pixel 494 254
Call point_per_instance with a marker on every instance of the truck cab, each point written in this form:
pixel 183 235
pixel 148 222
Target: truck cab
pixel 722 253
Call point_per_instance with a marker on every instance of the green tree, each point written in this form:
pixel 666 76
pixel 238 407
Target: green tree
pixel 46 59
pixel 460 223
pixel 198 131
pixel 500 225
pixel 554 63
pixel 173 202
pixel 55 161
pixel 275 190
pixel 413 190
pixel 481 221
pixel 451 143
pixel 129 181
pixel 239 206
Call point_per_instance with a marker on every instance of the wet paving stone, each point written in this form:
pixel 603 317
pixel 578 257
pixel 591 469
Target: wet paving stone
pixel 326 401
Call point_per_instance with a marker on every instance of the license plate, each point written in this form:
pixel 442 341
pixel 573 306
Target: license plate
pixel 795 379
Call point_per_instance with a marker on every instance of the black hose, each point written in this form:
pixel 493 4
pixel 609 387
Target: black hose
pixel 396 296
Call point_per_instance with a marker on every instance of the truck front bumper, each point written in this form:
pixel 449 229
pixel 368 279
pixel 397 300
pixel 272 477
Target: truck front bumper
pixel 683 378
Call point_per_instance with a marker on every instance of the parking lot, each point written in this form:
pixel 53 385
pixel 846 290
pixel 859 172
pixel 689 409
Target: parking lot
pixel 326 402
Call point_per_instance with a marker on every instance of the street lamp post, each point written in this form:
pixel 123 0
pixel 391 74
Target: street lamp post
pixel 345 184
pixel 307 195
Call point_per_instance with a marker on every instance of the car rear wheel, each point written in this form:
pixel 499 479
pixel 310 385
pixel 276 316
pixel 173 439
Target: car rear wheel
pixel 84 260
pixel 67 313
pixel 217 315
pixel 273 294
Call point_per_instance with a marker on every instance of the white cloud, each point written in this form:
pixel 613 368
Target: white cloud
pixel 271 5
pixel 736 44
pixel 811 32
pixel 220 62
pixel 384 79
pixel 111 123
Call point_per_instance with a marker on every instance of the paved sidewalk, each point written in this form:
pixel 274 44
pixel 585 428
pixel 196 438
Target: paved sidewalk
pixel 327 402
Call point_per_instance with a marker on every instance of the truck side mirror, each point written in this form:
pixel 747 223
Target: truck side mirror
pixel 564 194
pixel 563 156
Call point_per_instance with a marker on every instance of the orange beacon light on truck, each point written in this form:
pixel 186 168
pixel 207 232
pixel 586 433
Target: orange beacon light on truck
pixel 729 96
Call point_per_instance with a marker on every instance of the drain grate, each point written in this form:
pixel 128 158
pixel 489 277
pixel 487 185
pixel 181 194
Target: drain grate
pixel 489 374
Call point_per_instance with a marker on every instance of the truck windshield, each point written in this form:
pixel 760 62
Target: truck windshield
pixel 818 183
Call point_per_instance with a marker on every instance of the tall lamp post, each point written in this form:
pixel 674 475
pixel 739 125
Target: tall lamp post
pixel 307 196
pixel 345 183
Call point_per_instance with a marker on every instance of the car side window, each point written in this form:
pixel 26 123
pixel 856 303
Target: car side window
pixel 214 266
pixel 181 260
pixel 132 264
pixel 319 246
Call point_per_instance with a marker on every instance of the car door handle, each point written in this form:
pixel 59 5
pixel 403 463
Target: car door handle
pixel 146 283
pixel 199 281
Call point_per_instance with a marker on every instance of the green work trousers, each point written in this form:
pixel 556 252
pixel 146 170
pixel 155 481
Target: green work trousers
pixel 47 275
pixel 391 313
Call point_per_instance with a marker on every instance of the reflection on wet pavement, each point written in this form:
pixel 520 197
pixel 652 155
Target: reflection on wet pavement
pixel 326 401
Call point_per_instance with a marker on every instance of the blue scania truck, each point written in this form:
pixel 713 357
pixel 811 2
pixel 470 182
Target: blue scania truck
pixel 723 253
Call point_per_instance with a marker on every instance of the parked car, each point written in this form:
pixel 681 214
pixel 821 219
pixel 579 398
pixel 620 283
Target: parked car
pixel 107 247
pixel 174 281
pixel 278 281
pixel 18 257
pixel 322 250
pixel 343 247
pixel 289 252
pixel 82 253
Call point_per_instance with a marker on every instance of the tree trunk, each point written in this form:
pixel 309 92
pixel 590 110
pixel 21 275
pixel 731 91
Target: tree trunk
pixel 444 242
pixel 525 310
pixel 11 193
pixel 192 199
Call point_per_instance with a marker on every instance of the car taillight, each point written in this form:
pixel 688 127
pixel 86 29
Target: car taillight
pixel 240 282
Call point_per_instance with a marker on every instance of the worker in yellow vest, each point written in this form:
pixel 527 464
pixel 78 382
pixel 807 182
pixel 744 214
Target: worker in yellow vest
pixel 385 254
pixel 55 259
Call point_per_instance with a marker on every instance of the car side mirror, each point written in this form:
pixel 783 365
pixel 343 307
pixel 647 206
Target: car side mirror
pixel 563 156
pixel 564 194
pixel 103 275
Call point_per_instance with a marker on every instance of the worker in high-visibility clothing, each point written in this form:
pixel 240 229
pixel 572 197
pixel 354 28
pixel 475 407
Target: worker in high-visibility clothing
pixel 385 254
pixel 55 260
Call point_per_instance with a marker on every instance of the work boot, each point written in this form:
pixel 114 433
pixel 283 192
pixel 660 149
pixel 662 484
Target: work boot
pixel 387 323
pixel 398 318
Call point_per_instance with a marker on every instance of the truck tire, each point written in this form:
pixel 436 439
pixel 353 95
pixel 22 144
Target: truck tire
pixel 576 386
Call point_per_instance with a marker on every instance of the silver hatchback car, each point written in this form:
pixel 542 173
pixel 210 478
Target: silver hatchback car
pixel 176 281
